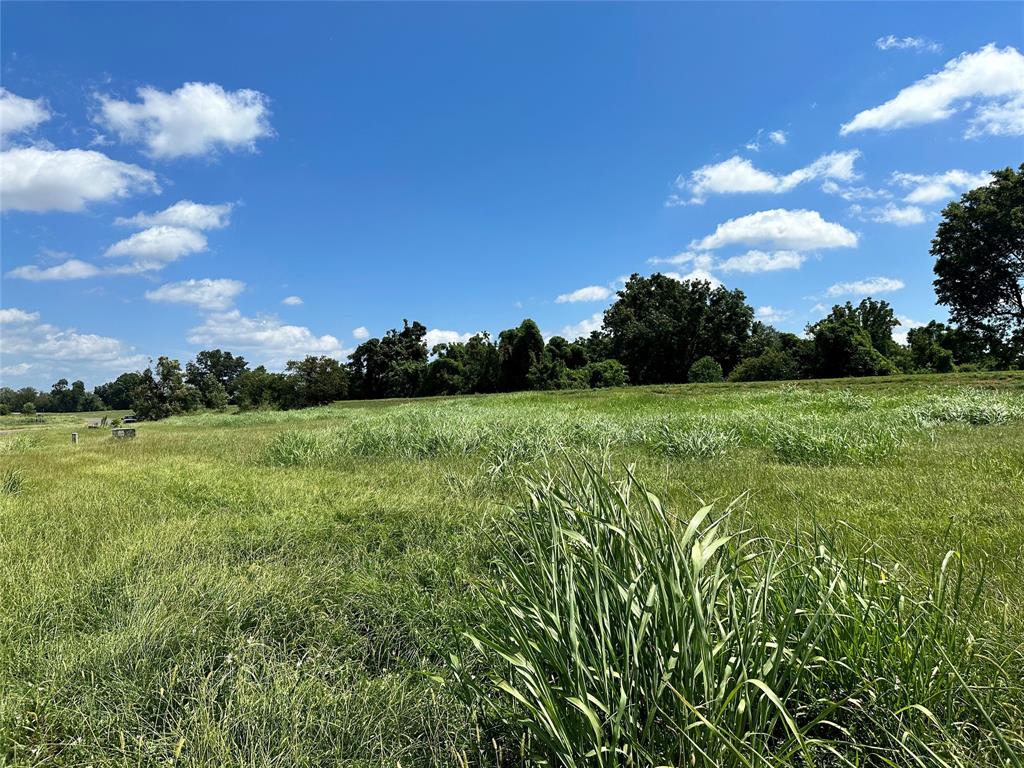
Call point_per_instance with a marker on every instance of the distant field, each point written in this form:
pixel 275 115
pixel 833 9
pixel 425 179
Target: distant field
pixel 285 588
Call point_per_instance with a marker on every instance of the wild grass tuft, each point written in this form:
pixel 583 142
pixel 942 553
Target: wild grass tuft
pixel 11 481
pixel 621 635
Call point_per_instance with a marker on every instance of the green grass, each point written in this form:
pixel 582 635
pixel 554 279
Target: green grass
pixel 287 588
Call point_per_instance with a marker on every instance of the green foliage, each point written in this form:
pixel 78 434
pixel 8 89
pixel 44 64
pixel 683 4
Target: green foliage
pixel 771 365
pixel 5 409
pixel 118 394
pixel 29 409
pixel 621 635
pixel 659 326
pixel 165 392
pixel 977 248
pixel 223 367
pixel 705 370
pixel 519 350
pixel 392 366
pixel 843 345
pixel 317 380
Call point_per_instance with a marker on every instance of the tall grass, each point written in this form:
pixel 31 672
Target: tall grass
pixel 621 635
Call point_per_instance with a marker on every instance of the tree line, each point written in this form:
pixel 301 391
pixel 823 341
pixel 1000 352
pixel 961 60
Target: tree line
pixel 659 330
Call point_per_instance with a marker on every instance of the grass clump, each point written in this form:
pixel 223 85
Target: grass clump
pixel 620 635
pixel 971 406
pixel 821 443
pixel 298 449
pixel 11 481
pixel 702 441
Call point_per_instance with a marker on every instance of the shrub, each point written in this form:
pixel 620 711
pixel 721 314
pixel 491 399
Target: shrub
pixel 773 365
pixel 620 635
pixel 705 370
pixel 824 443
pixel 5 409
pixel 290 449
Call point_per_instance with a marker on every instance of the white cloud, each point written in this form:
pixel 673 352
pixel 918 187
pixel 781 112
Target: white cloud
pixel 890 213
pixel 584 327
pixel 589 293
pixel 778 137
pixel 153 248
pixel 697 273
pixel 792 230
pixel 870 285
pixel 850 193
pixel 769 314
pixel 264 336
pixel 18 114
pixel 26 342
pixel 919 44
pixel 196 119
pixel 438 336
pixel 292 301
pixel 362 332
pixel 183 213
pixel 13 315
pixel 990 79
pixel 72 269
pixel 899 333
pixel 762 261
pixel 207 293
pixel 738 175
pixel 34 179
pixel 938 187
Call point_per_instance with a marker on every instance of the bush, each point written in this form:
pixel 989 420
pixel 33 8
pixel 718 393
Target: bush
pixel 607 373
pixel 621 631
pixel 706 370
pixel 5 409
pixel 773 365
pixel 28 409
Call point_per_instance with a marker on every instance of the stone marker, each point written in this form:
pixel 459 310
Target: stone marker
pixel 123 432
pixel 74 438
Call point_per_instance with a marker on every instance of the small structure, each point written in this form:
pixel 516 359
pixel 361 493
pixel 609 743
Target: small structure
pixel 129 420
pixel 74 438
pixel 96 423
pixel 122 433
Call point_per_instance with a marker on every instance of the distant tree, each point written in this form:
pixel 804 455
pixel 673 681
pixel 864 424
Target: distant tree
pixel 259 389
pixel 704 371
pixel 212 393
pixel 392 366
pixel 164 393
pixel 5 409
pixel 519 349
pixel 774 364
pixel 660 326
pixel 603 373
pixel 223 366
pixel 318 380
pixel 878 319
pixel 843 346
pixel 29 408
pixel 550 372
pixel 118 393
pixel 926 351
pixel 979 256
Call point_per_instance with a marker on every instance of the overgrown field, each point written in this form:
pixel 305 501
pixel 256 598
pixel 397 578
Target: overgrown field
pixel 695 575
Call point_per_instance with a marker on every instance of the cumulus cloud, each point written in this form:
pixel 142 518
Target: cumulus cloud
pixel 990 80
pixel 782 229
pixel 697 273
pixel 777 137
pixel 292 301
pixel 264 336
pixel 183 213
pixel 938 187
pixel 153 248
pixel 438 336
pixel 72 269
pixel 584 327
pixel 38 180
pixel 589 293
pixel 763 261
pixel 769 314
pixel 13 315
pixel 362 332
pixel 195 119
pixel 919 44
pixel 738 175
pixel 206 293
pixel 868 286
pixel 26 341
pixel 890 213
pixel 20 115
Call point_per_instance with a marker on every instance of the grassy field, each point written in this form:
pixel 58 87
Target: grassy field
pixel 288 588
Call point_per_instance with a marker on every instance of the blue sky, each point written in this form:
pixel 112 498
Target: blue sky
pixel 281 179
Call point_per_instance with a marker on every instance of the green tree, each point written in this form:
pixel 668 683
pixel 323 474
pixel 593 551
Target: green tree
pixel 519 349
pixel 979 256
pixel 164 393
pixel 223 366
pixel 119 392
pixel 842 346
pixel 704 371
pixel 660 326
pixel 318 380
pixel 392 366
pixel 774 364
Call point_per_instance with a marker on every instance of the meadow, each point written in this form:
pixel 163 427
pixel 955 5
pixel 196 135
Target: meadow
pixel 703 575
